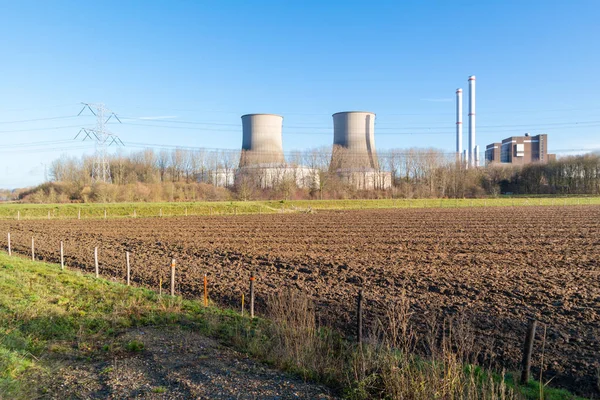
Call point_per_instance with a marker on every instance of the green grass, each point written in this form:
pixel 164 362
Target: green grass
pixel 532 390
pixel 48 315
pixel 129 210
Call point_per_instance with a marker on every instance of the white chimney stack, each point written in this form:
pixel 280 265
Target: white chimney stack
pixel 472 137
pixel 459 130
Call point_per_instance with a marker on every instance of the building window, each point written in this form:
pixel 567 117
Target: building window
pixel 505 152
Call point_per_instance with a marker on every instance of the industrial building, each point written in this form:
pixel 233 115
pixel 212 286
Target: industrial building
pixel 519 150
pixel 268 176
pixel 353 157
pixel 262 160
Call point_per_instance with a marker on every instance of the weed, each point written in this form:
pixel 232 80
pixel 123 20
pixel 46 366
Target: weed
pixel 135 346
pixel 159 389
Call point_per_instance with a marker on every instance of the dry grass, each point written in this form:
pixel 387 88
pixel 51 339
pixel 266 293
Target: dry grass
pixel 387 364
pixel 48 311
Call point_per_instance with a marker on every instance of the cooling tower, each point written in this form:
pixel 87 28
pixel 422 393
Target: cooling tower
pixel 354 141
pixel 261 143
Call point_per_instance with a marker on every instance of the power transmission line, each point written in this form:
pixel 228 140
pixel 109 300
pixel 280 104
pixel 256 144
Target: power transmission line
pixel 40 129
pixel 38 119
pixel 382 153
pixel 103 137
pixel 34 144
pixel 44 149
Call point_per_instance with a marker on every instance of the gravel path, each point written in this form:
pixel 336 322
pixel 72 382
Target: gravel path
pixel 178 364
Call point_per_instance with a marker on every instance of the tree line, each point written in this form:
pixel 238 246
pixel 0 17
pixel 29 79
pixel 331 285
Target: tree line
pixel 195 175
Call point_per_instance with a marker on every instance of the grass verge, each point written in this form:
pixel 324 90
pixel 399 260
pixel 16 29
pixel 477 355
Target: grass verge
pixel 130 210
pixel 48 316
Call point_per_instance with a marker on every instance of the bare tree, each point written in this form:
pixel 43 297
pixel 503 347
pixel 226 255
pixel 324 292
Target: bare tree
pixel 162 162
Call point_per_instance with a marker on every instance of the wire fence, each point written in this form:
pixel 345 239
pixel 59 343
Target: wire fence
pixel 110 211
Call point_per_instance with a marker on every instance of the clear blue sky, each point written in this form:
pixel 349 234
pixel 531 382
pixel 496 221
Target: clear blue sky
pixel 536 64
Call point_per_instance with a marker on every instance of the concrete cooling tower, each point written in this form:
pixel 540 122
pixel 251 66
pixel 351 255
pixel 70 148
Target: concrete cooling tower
pixel 261 142
pixel 354 141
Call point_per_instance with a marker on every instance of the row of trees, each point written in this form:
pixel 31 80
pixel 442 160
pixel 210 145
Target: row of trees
pixel 569 175
pixel 183 175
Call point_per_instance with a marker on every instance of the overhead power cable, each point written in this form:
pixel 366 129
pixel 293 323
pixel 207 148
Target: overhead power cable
pixel 38 119
pixel 40 129
pixel 381 154
pixel 43 143
pixel 45 149
pixel 377 124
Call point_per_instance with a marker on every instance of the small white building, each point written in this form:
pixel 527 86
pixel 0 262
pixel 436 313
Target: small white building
pixel 270 175
pixel 222 177
pixel 366 178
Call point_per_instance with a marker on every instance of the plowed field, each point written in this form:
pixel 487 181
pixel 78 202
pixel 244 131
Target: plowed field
pixel 496 266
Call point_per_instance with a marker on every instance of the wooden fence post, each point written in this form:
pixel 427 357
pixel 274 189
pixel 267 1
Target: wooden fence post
pixel 62 255
pixel 9 249
pixel 242 304
pixel 205 291
pixel 359 319
pixel 32 249
pixel 18 215
pixel 527 350
pixel 252 295
pixel 96 262
pixel 105 213
pixel 79 213
pixel 128 269
pixel 173 277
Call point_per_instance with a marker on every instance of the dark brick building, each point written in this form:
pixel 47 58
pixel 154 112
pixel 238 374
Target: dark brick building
pixel 519 150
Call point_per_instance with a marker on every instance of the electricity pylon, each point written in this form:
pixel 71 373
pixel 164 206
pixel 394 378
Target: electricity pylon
pixel 103 138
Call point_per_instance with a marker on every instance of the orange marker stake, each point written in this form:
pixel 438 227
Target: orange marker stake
pixel 173 278
pixel 205 291
pixel 252 295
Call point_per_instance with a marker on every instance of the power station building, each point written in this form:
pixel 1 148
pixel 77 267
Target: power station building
pixel 353 156
pixel 519 150
pixel 262 160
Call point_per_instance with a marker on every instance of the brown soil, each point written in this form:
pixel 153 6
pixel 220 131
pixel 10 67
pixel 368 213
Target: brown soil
pixel 497 266
pixel 175 364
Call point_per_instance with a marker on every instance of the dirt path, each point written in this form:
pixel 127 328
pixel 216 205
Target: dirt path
pixel 177 364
